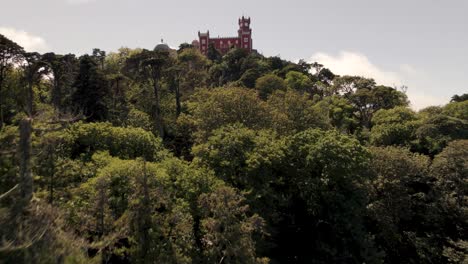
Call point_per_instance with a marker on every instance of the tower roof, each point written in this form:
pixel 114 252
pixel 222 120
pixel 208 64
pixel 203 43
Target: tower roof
pixel 162 46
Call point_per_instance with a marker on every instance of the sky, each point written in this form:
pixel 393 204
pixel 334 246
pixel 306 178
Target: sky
pixel 421 44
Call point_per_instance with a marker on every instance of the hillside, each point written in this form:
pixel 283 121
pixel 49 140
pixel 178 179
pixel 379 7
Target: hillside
pixel 152 156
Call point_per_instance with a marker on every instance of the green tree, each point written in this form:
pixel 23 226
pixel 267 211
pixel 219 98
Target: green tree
pixel 250 160
pixel 33 70
pixel 325 76
pixel 236 153
pixel 249 77
pixel 401 209
pixel 459 98
pixel 212 109
pixel 41 236
pixel 10 54
pixel 183 46
pixel 91 91
pixel 429 111
pixel 148 66
pixel 227 229
pixel 128 143
pixel 327 201
pixel 124 97
pixel 63 69
pixel 457 109
pixel 189 73
pixel 368 101
pixel 450 169
pixel 212 53
pixel 217 74
pixel 367 97
pixel 394 126
pixel 8 165
pixel 269 83
pixel 436 131
pixel 134 201
pixel 234 61
pixel 31 230
pixel 294 112
pixel 340 113
pixel 299 82
pixel 100 57
pixel 144 211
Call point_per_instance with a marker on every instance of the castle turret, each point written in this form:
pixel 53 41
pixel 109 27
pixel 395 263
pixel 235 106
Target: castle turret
pixel 245 33
pixel 204 39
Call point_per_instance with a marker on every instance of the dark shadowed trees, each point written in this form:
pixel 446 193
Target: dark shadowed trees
pixel 33 70
pixel 63 69
pixel 459 98
pixel 148 67
pixel 91 91
pixel 10 55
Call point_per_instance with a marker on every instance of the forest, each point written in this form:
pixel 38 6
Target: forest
pixel 170 156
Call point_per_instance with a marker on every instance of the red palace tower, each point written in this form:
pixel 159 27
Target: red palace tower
pixel 224 44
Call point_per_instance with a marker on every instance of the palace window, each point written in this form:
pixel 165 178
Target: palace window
pixel 246 39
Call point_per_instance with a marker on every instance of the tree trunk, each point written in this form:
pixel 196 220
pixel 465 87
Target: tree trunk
pixel 1 101
pixel 25 127
pixel 26 179
pixel 30 98
pixel 1 115
pixel 101 213
pixel 57 97
pixel 52 172
pixel 157 111
pixel 177 97
pixel 144 220
pixel 101 207
pixel 51 189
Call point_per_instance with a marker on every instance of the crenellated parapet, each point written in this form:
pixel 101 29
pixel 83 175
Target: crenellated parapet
pixel 224 44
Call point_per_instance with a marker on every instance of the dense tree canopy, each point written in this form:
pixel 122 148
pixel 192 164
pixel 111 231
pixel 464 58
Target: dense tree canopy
pixel 10 54
pixel 170 156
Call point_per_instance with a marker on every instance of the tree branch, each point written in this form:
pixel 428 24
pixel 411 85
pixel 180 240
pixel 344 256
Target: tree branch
pixel 8 192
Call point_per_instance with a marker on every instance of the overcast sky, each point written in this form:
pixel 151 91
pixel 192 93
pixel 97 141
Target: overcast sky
pixel 422 44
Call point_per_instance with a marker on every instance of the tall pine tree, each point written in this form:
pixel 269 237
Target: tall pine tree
pixel 91 90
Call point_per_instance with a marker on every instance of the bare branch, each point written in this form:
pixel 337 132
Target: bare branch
pixel 8 192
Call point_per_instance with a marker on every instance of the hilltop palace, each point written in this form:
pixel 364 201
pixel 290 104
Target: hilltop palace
pixel 224 44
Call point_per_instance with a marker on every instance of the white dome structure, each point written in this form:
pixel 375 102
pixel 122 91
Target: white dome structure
pixel 162 47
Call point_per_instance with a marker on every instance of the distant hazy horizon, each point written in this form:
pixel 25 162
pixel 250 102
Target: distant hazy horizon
pixel 420 44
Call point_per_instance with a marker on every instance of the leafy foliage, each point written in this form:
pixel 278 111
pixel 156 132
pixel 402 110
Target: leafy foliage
pixel 269 83
pixel 86 138
pixel 91 91
pixel 165 156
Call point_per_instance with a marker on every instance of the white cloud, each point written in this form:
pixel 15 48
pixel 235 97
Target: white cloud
pixel 420 100
pixel 28 41
pixel 353 63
